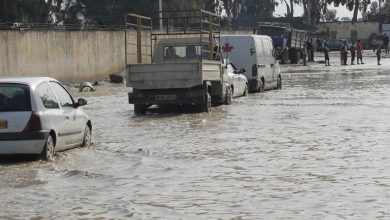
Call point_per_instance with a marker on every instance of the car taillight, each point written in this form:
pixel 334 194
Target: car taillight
pixel 254 70
pixel 34 124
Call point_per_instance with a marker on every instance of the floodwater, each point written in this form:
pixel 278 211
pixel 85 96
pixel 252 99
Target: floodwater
pixel 317 149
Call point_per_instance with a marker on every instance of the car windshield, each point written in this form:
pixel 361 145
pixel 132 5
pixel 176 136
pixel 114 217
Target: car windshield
pixel 14 97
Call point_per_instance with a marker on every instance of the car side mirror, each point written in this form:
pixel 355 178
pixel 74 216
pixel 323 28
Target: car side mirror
pixel 242 70
pixel 235 71
pixel 81 102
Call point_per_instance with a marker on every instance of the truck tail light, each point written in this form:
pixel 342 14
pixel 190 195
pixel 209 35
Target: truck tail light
pixel 254 70
pixel 34 124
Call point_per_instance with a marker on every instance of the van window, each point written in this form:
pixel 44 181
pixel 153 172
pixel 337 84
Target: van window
pixel 14 97
pixel 48 98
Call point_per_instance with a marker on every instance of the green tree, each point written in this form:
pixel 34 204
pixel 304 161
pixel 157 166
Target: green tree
pixel 25 11
pixel 330 15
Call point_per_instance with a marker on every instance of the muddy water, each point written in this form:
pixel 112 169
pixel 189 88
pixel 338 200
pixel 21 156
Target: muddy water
pixel 317 149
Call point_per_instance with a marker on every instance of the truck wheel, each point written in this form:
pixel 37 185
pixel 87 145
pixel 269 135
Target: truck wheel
pixel 206 105
pixel 229 96
pixel 140 109
pixel 279 82
pixel 261 87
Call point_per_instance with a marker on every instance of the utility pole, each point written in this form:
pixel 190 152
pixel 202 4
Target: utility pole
pixel 160 13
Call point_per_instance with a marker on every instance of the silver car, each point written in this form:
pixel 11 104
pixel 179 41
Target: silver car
pixel 39 116
pixel 238 81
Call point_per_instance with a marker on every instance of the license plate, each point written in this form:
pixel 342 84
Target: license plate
pixel 165 97
pixel 3 124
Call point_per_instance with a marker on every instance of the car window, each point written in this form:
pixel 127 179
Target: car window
pixel 189 51
pixel 62 95
pixel 14 97
pixel 48 98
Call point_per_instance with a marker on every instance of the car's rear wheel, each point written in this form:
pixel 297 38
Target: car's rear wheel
pixel 229 96
pixel 246 91
pixel 279 82
pixel 48 150
pixel 87 137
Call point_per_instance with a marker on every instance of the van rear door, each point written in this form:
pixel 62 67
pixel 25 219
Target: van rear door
pixel 241 51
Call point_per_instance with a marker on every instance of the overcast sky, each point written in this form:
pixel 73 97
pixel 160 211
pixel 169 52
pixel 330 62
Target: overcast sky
pixel 342 11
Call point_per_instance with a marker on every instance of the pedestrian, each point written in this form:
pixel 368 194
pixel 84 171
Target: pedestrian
pixel 319 44
pixel 341 54
pixel 359 49
pixel 304 53
pixel 315 46
pixel 311 51
pixel 345 53
pixel 386 42
pixel 325 48
pixel 353 52
pixel 308 49
pixel 378 53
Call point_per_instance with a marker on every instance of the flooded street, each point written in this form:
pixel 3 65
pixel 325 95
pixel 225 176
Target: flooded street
pixel 317 149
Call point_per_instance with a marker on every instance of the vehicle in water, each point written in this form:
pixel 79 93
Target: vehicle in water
pixel 238 81
pixel 288 41
pixel 39 116
pixel 254 53
pixel 181 70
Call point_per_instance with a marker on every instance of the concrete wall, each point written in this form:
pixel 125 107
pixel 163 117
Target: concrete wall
pixel 343 29
pixel 70 56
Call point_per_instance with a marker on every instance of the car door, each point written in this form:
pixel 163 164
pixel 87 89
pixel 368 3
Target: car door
pixel 52 116
pixel 234 79
pixel 74 131
pixel 239 83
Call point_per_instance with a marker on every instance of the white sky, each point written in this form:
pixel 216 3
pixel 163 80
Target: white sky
pixel 342 11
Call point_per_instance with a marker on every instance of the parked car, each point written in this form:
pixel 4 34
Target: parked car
pixel 256 54
pixel 239 82
pixel 335 44
pixel 39 116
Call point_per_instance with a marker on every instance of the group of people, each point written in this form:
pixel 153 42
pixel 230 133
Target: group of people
pixel 354 49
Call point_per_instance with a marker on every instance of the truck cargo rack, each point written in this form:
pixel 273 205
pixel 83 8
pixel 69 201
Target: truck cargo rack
pixel 147 30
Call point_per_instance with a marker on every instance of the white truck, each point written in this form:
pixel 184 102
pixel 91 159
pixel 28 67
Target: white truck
pixel 183 71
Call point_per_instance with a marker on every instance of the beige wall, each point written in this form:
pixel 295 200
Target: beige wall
pixel 70 56
pixel 343 29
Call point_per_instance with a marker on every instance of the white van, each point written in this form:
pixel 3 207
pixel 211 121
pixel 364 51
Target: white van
pixel 254 53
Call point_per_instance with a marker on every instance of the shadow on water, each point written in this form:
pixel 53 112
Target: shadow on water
pixel 17 159
pixel 170 110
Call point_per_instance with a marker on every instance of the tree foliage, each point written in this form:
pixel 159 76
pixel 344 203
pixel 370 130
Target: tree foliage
pixel 331 15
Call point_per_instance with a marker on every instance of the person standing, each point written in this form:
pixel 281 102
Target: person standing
pixel 353 53
pixel 378 53
pixel 325 48
pixel 308 49
pixel 344 53
pixel 359 49
pixel 319 44
pixel 304 53
pixel 386 42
